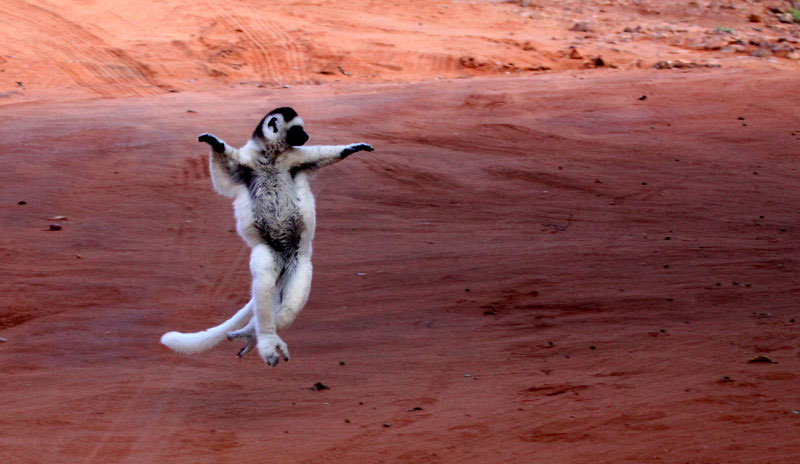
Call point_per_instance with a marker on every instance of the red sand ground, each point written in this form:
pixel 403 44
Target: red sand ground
pixel 550 268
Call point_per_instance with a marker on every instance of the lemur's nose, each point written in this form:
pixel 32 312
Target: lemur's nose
pixel 296 136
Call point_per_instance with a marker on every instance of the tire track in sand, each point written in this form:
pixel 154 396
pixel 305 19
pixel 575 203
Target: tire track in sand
pixel 275 56
pixel 82 56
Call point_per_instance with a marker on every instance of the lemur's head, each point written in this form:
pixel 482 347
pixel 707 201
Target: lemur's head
pixel 281 128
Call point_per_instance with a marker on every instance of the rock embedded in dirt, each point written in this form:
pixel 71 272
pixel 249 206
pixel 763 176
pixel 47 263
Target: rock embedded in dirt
pixel 580 27
pixel 762 358
pixel 575 54
pixel 680 64
pixel 320 386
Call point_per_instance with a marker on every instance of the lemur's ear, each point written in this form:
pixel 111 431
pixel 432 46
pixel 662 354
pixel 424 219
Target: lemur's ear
pixel 273 123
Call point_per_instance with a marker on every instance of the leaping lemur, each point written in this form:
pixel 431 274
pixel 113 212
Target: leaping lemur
pixel 268 178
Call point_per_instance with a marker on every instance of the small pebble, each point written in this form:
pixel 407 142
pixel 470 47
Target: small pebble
pixel 22 202
pixel 54 227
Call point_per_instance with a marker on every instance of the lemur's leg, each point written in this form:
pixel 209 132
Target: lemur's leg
pixel 265 267
pixel 299 158
pixel 295 293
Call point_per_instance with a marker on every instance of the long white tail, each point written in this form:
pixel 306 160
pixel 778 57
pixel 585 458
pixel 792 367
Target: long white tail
pixel 190 343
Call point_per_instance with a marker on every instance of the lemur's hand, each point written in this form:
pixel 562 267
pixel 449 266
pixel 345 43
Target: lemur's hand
pixel 352 148
pixel 210 139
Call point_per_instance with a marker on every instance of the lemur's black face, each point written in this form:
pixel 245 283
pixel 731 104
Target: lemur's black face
pixel 296 136
pixel 282 125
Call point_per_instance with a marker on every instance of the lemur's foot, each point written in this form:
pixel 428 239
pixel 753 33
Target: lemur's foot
pixel 355 147
pixel 248 334
pixel 270 347
pixel 210 139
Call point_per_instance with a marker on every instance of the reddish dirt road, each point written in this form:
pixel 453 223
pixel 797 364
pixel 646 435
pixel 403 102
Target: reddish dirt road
pixel 561 265
pixel 552 269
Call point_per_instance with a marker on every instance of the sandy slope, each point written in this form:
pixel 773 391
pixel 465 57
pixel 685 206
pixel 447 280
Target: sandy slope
pixel 544 267
pixel 65 49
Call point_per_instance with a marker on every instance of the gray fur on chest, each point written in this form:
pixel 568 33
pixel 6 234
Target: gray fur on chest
pixel 276 213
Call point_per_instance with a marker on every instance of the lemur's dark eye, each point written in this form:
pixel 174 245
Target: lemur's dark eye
pixel 273 124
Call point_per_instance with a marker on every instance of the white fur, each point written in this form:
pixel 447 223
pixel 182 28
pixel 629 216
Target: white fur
pixel 266 313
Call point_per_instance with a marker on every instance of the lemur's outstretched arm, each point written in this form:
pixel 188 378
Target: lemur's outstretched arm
pixel 224 164
pixel 299 158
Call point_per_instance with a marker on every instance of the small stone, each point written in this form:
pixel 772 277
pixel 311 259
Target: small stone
pixel 597 62
pixel 762 358
pixel 643 98
pixel 575 54
pixel 592 347
pixel 54 227
pixel 793 56
pixel 320 386
pixel 22 202
pixel 386 426
pixel 580 27
pixel 760 53
pixel 754 18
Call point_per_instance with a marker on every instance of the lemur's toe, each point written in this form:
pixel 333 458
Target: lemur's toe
pixel 246 349
pixel 246 332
